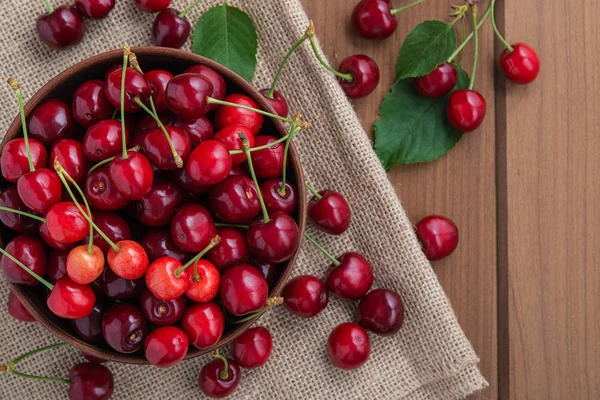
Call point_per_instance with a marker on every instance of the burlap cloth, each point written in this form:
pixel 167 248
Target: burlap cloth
pixel 429 359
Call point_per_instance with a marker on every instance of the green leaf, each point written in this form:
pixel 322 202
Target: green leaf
pixel 412 128
pixel 425 47
pixel 228 36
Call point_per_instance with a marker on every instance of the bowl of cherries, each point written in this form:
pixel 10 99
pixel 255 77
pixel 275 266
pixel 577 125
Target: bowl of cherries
pixel 149 205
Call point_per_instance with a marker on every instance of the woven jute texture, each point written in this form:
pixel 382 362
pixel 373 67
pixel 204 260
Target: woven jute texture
pixel 430 358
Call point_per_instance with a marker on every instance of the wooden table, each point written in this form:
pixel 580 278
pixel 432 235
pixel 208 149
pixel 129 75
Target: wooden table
pixel 524 190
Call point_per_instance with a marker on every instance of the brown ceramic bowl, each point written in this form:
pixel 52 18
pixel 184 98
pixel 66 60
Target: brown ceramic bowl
pixel 175 61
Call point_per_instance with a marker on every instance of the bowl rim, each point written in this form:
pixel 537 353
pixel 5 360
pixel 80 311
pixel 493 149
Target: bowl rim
pixel 247 88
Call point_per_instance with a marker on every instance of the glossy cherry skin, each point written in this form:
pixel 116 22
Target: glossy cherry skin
pixel 166 346
pixel 71 300
pixel 204 282
pixel 276 202
pixel 181 177
pixel 84 267
pixel 365 75
pixel 305 296
pixel 204 324
pixel 136 85
pixel 231 250
pixel 187 95
pixel 274 241
pixel 228 115
pixel 117 288
pixel 198 129
pixel 215 78
pixel 209 163
pixel 61 28
pixel 271 272
pixel 101 193
pixel 131 176
pixel 161 312
pixel 113 226
pixel 103 140
pixel 192 228
pixel 17 310
pixel 144 125
pixel 96 9
pixel 158 80
pixel 372 19
pixel 268 163
pixel 234 200
pixel 9 197
pixel 90 381
pixel 157 148
pixel 169 29
pixel 31 252
pixel 50 121
pixel 90 328
pixel 90 104
pixel 352 279
pixel 65 223
pixel 381 312
pixel 437 83
pixel 466 110
pixel 438 236
pixel 230 136
pixel 70 154
pixel 158 207
pixel 522 65
pixel 252 348
pixel 56 265
pixel 14 162
pixel 124 328
pixel 330 214
pixel 159 243
pixel 348 346
pixel 130 262
pixel 278 102
pixel 213 385
pixel 162 280
pixel 151 6
pixel 243 290
pixel 45 235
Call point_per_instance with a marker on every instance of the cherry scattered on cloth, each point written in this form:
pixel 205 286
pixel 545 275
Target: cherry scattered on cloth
pixel 90 381
pixel 305 296
pixel 253 347
pixel 438 236
pixel 170 29
pixel 373 19
pixel 381 311
pixel 151 6
pixel 352 279
pixel 219 378
pixel 61 27
pixel 96 9
pixel 329 212
pixel 348 346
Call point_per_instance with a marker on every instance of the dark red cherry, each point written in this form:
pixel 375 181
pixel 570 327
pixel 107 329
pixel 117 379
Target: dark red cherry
pixel 187 95
pixel 90 381
pixel 234 200
pixel 329 214
pixel 364 72
pixel 239 170
pixel 14 162
pixel 381 311
pixel 159 243
pixel 158 207
pixel 192 228
pixel 144 125
pixel 158 80
pixel 70 154
pixel 252 348
pixel 198 129
pixel 466 110
pixel 45 235
pixel 166 346
pixel 228 115
pixel 438 236
pixel 182 179
pixel 50 121
pixel 90 104
pixel 101 193
pixel 521 65
pixel 278 102
pixel 17 310
pixel 169 29
pixel 243 290
pixel 204 324
pixel 131 176
pixel 90 328
pixel 274 241
pixel 268 163
pixel 217 80
pixel 151 6
pixel 161 312
pixel 231 250
pixel 113 226
pixel 65 223
pixel 373 19
pixel 209 163
pixel 437 83
pixel 217 384
pixel 230 136
pixel 96 9
pixel 71 300
pixel 352 279
pixel 31 252
pixel 124 328
pixel 117 288
pixel 271 272
pixel 9 197
pixel 103 140
pixel 136 85
pixel 277 202
pixel 61 28
pixel 305 296
pixel 56 265
pixel 157 148
pixel 93 359
pixel 348 346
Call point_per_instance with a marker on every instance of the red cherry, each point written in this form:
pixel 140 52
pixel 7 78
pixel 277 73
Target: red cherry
pixel 56 265
pixel 103 140
pixel 65 223
pixel 198 129
pixel 45 235
pixel 31 252
pixel 162 280
pixel 96 9
pixel 192 228
pixel 90 328
pixel 182 179
pixel 274 241
pixel 209 163
pixel 352 279
pixel 124 328
pixel 243 290
pixel 17 310
pixel 329 214
pixel 158 207
pixel 131 176
pixel 231 250
pixel 521 65
pixel 161 312
pixel 230 136
pixel 381 311
pixel 151 6
pixel 84 267
pixel 14 162
pixel 252 348
pixel 228 115
pixel 157 148
pixel 187 95
pixel 438 236
pixel 169 29
pixel 90 104
pixel 278 102
pixel 113 226
pixel 364 72
pixel 166 346
pixel 348 346
pixel 61 28
pixel 466 110
pixel 437 83
pixel 158 80
pixel 204 324
pixel 130 262
pixel 120 289
pixel 373 19
pixel 71 300
pixel 50 121
pixel 136 85
pixel 70 154
pixel 234 200
pixel 305 296
pixel 204 286
pixel 217 80
pixel 268 163
pixel 159 243
pixel 101 193
pixel 90 381
pixel 276 202
pixel 271 272
pixel 9 197
pixel 144 125
pixel 215 383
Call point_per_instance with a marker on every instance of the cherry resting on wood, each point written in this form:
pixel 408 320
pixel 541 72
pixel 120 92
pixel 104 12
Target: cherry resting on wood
pixel 373 19
pixel 364 72
pixel 438 236
pixel 466 110
pixel 521 65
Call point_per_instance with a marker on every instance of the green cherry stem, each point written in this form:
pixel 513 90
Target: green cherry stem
pixel 322 250
pixel 476 55
pixel 189 8
pixel 271 302
pixel 497 32
pixel 223 225
pixel 28 270
pixel 9 368
pixel 210 100
pixel 313 191
pixel 224 374
pixel 397 10
pixel 49 6
pixel 12 210
pixel 283 64
pixel 266 146
pixel 294 129
pixel 16 87
pixel 213 242
pixel 468 38
pixel 123 75
pixel 246 148
pixel 108 160
pixel 346 77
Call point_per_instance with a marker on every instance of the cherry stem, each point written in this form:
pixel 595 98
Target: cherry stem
pixel 17 89
pixel 123 75
pixel 210 100
pixel 397 10
pixel 49 6
pixel 195 276
pixel 347 77
pixel 225 373
pixel 263 147
pixel 222 225
pixel 246 148
pixel 313 191
pixel 12 210
pixel 283 64
pixel 213 242
pixel 325 252
pixel 271 302
pixel 9 368
pixel 28 270
pixel 468 38
pixel 190 8
pixel 294 129
pixel 497 32
pixel 476 55
pixel 108 160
